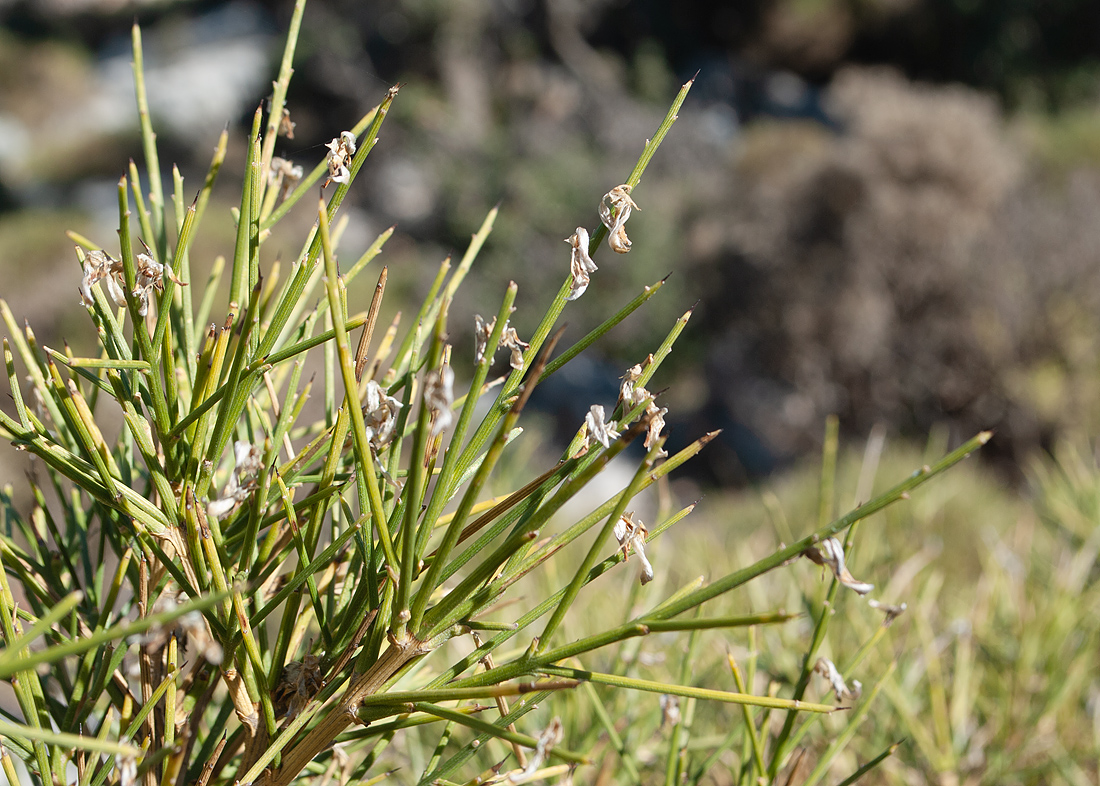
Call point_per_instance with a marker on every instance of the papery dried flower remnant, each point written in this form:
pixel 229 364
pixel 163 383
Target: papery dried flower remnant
pixel 670 710
pixel 830 553
pixel 340 151
pixel 551 736
pixel 615 208
pixel 581 265
pixel 632 394
pixel 483 331
pixel 627 391
pixel 98 264
pixel 598 429
pixel 242 481
pixel 891 612
pixel 380 415
pixel 631 535
pixel 126 766
pixel 286 125
pixel 655 424
pixel 439 397
pixel 150 276
pixel 285 174
pixel 509 338
pixel 827 669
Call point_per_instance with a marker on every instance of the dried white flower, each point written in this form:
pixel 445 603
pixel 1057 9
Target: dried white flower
pixel 631 535
pixel 631 395
pixel 242 481
pixel 670 710
pixel 439 396
pixel 150 276
pixel 509 338
pixel 286 125
pixel 194 628
pixel 550 737
pixel 285 174
pixel 615 208
pixel 581 265
pixel 221 507
pixel 627 392
pixel 482 332
pixel 655 424
pixel 830 553
pixel 98 264
pixel 380 415
pixel 339 174
pixel 127 770
pixel 191 626
pixel 891 612
pixel 599 430
pixel 248 457
pixel 340 151
pixel 827 669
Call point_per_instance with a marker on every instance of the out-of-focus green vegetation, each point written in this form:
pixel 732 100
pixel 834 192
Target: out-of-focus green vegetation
pixel 990 676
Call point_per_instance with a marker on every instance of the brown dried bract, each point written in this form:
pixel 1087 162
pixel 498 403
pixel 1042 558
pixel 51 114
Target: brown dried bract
pixel 301 681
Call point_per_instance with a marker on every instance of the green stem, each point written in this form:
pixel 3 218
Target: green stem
pixel 589 561
pixel 898 492
pixel 443 488
pixel 500 732
pixel 278 95
pixel 65 740
pixel 149 145
pixel 687 691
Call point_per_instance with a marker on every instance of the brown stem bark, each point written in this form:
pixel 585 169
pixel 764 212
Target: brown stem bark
pixel 396 657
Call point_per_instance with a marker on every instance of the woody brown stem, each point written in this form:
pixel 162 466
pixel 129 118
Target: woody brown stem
pixel 391 662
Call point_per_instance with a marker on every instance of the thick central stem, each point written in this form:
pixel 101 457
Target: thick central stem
pixel 395 658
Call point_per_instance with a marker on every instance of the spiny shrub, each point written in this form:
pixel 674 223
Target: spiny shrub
pixel 231 591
